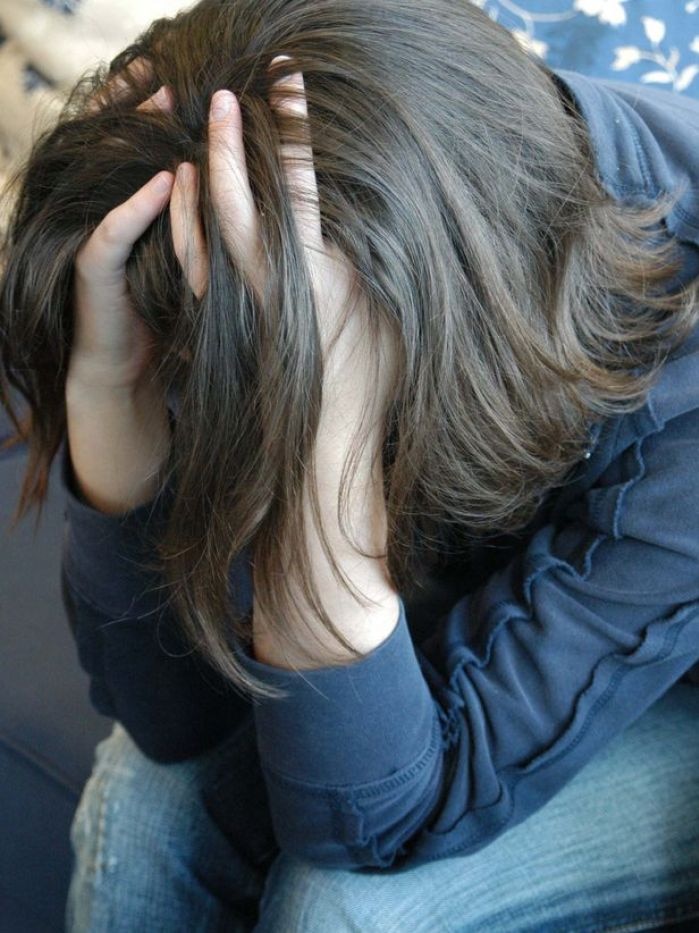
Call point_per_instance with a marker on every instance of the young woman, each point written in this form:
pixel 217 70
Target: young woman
pixel 377 413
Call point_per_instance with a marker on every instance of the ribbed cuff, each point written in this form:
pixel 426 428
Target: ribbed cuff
pixel 347 724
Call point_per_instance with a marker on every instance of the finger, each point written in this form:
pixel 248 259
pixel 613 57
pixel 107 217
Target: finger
pixel 230 188
pixel 188 236
pixel 288 95
pixel 142 71
pixel 162 100
pixel 111 243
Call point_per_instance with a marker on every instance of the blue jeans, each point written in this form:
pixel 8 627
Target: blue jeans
pixel 616 849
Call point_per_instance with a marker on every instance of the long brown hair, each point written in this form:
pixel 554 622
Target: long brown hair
pixel 457 177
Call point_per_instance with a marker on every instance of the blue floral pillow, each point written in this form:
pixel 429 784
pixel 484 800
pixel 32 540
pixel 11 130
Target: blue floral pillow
pixel 644 41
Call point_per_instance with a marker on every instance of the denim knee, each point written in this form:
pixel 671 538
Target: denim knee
pixel 126 790
pixel 147 855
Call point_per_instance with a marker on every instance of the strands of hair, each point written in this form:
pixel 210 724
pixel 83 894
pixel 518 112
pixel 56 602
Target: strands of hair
pixel 527 303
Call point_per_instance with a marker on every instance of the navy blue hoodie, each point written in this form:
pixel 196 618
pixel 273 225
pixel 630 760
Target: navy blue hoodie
pixel 511 673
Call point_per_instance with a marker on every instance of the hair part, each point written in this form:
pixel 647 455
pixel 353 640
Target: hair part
pixel 527 303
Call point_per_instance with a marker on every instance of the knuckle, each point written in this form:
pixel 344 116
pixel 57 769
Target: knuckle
pixel 108 230
pixel 84 258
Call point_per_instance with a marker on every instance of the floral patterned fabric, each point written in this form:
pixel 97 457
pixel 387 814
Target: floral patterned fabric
pixel 645 41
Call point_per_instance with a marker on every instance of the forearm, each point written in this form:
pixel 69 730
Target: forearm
pixel 364 627
pixel 118 442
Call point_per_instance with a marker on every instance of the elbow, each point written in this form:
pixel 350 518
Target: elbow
pixel 168 733
pixel 163 754
pixel 159 750
pixel 164 748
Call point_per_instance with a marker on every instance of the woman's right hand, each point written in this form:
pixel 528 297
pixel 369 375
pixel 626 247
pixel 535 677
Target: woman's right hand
pixel 113 348
pixel 117 421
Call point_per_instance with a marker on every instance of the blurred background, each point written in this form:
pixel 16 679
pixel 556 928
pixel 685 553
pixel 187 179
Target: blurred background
pixel 48 730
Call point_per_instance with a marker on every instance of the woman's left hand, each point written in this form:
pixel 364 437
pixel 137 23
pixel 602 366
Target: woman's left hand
pixel 330 271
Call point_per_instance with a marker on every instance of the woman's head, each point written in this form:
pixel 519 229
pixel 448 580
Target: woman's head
pixel 456 176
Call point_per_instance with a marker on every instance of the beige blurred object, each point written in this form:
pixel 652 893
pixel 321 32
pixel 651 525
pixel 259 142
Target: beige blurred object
pixel 45 46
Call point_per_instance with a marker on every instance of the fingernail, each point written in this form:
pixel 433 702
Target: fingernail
pixel 220 104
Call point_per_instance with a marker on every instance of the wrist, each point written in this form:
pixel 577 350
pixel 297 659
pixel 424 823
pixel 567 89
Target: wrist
pixel 118 442
pixel 87 379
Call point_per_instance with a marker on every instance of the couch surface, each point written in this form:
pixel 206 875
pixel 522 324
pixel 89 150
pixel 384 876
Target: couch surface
pixel 48 730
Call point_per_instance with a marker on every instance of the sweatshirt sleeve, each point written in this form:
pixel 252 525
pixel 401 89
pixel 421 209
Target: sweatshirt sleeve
pixel 141 672
pixel 413 754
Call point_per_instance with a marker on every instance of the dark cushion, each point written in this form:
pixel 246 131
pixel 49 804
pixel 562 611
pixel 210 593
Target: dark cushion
pixel 48 730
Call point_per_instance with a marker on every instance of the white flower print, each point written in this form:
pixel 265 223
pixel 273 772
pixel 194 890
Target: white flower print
pixel 654 29
pixel 626 55
pixel 668 73
pixel 666 67
pixel 611 12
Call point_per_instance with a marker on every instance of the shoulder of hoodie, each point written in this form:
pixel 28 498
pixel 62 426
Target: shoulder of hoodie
pixel 646 143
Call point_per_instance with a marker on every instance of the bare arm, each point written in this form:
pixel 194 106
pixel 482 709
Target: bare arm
pixel 119 441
